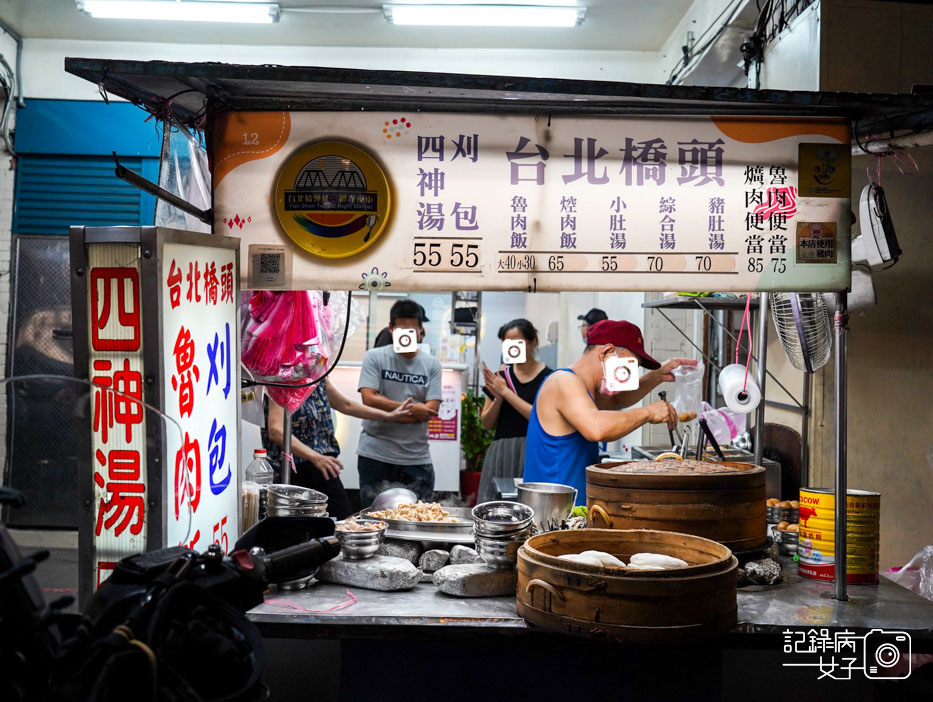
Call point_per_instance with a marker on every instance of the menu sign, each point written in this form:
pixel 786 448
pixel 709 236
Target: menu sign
pixel 200 390
pixel 469 201
pixel 118 424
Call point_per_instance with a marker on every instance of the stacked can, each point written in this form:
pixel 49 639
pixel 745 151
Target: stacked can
pixel 817 535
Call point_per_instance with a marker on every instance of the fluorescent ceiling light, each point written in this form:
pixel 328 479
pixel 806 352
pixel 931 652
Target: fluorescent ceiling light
pixel 182 10
pixel 485 15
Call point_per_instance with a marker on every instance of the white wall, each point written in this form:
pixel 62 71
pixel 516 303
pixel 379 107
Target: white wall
pixel 44 60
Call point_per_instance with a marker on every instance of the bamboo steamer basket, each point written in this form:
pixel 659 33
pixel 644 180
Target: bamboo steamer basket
pixel 725 507
pixel 666 606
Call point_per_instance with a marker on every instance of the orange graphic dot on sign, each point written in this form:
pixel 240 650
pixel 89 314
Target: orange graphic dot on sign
pixel 384 131
pixel 387 123
pixel 398 134
pixel 388 136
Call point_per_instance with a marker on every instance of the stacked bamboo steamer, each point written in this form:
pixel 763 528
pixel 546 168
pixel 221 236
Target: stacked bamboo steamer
pixel 723 501
pixel 670 606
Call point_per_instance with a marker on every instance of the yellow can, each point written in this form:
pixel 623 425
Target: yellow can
pixel 816 553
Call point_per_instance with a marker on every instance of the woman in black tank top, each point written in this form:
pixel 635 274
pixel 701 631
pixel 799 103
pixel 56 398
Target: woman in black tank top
pixel 513 392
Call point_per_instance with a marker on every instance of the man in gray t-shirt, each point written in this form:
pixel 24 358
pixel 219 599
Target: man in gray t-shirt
pixel 396 453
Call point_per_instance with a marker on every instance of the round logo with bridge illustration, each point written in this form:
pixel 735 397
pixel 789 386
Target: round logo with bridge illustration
pixel 332 199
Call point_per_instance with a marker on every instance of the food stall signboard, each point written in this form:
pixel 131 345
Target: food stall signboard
pixel 119 511
pixel 200 358
pixel 427 201
pixel 155 319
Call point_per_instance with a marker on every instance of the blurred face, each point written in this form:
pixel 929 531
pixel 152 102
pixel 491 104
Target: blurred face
pixel 514 334
pixel 584 328
pixel 408 323
pixel 620 351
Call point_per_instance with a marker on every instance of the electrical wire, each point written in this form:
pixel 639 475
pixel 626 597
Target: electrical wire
pixel 695 53
pixel 343 341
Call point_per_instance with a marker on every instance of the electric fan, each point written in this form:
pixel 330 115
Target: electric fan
pixel 804 326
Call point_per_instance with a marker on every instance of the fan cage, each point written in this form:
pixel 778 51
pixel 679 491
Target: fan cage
pixel 815 323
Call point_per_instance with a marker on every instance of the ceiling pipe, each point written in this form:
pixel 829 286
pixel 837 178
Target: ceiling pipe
pixel 19 61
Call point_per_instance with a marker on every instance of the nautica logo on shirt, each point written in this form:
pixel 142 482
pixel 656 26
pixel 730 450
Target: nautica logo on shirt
pixel 409 378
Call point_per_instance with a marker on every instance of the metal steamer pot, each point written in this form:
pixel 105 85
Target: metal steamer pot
pixel 552 503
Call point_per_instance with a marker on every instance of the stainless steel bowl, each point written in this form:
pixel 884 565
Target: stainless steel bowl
pixel 790 541
pixel 552 503
pixel 501 553
pixel 310 511
pixel 293 495
pixel 501 518
pixel 771 515
pixel 392 498
pixel 299 584
pixel 358 545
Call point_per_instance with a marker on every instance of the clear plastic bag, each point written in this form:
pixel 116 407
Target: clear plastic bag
pixel 688 389
pixel 917 575
pixel 718 423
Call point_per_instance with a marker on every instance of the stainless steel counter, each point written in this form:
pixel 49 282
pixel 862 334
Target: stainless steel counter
pixel 809 603
pixel 796 602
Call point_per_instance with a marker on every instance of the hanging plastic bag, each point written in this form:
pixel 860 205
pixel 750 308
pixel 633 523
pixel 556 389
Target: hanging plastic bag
pixel 688 390
pixel 281 344
pixel 718 423
pixel 917 575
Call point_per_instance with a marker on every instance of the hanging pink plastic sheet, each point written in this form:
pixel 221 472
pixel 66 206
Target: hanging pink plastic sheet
pixel 281 344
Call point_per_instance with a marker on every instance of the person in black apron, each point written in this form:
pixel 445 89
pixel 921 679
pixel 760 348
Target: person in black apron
pixel 511 393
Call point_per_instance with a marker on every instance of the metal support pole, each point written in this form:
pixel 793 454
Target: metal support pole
pixel 841 329
pixel 722 351
pixel 805 432
pixel 287 448
pixel 762 360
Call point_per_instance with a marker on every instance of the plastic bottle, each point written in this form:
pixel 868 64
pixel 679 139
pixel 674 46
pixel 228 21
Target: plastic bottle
pixel 259 471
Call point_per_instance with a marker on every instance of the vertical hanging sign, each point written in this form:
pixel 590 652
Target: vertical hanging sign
pixel 200 390
pixel 118 426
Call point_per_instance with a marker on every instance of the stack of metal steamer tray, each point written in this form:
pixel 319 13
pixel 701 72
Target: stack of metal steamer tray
pixel 295 501
pixel 499 529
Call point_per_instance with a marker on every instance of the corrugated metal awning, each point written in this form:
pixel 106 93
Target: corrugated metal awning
pixel 190 91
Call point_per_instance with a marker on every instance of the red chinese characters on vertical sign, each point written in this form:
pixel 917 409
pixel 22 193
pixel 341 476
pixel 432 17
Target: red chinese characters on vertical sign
pixel 116 332
pixel 109 296
pixel 202 465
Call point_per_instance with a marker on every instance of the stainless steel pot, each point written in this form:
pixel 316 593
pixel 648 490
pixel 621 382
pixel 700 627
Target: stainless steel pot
pixel 552 503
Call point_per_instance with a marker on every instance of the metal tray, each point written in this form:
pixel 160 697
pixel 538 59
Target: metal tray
pixel 434 532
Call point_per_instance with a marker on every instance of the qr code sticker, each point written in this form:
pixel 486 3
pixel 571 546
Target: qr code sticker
pixel 270 263
pixel 269 267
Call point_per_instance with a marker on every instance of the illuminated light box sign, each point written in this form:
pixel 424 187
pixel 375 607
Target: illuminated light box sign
pixel 459 201
pixel 118 426
pixel 156 319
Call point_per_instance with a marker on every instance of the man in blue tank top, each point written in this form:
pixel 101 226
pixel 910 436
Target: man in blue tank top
pixel 573 412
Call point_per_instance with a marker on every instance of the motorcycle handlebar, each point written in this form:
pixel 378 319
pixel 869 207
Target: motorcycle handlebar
pixel 297 561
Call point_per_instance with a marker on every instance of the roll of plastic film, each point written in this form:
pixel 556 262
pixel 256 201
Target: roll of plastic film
pixel 740 395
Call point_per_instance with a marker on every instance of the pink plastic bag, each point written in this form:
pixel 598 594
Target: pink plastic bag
pixel 281 343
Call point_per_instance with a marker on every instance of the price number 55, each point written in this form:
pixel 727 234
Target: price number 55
pixel 445 255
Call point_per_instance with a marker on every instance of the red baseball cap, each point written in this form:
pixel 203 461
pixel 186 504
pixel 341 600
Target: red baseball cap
pixel 623 334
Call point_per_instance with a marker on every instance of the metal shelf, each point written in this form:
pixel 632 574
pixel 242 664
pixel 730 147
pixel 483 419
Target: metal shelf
pixel 694 303
pixel 709 305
